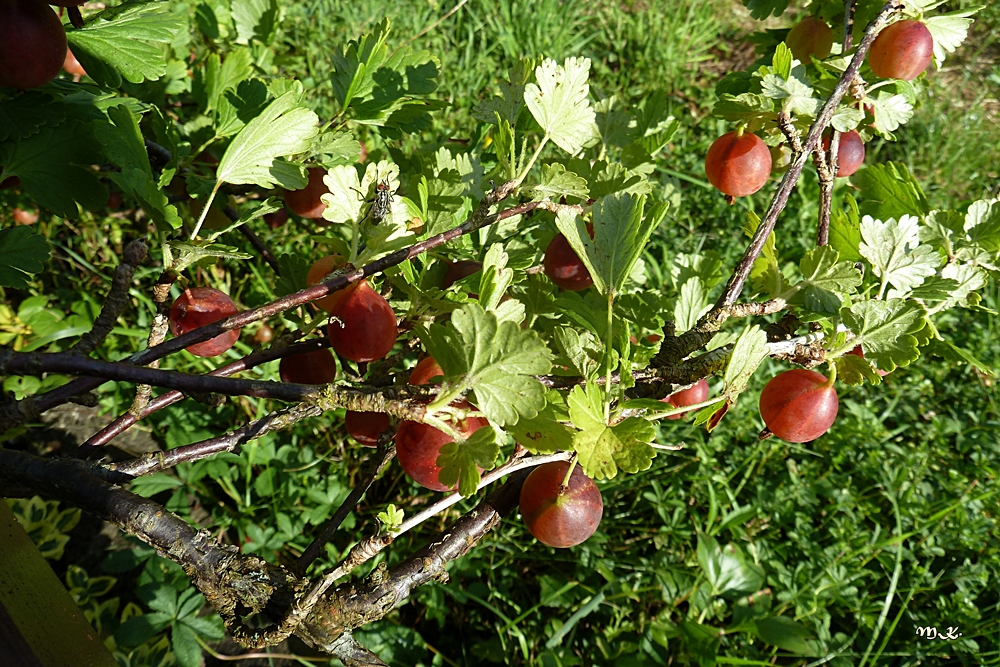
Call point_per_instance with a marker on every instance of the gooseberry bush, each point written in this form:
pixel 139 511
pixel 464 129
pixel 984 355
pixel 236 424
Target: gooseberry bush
pixel 480 309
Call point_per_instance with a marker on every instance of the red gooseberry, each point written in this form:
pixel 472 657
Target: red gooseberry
pixel 557 516
pixel 738 164
pixel 366 427
pixel 200 306
pixel 902 50
pixel 418 446
pixel 799 405
pixel 316 367
pixel 564 267
pixel 696 393
pixel 306 202
pixel 810 37
pixel 850 152
pixel 363 325
pixel 32 44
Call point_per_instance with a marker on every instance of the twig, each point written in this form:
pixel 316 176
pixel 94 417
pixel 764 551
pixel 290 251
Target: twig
pixel 739 277
pixel 849 8
pixel 157 332
pixel 116 301
pixel 13 413
pixel 75 17
pixel 126 420
pixel 372 469
pixel 157 151
pixel 228 442
pixel 353 654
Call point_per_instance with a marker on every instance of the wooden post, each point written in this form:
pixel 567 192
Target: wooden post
pixel 40 624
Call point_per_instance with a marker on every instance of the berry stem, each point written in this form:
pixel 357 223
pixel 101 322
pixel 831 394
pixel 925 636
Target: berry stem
pixel 569 474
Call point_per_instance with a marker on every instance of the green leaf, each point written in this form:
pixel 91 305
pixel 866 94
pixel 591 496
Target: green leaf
pixel 545 433
pixel 458 460
pixel 692 303
pixel 748 354
pixel 294 268
pixel 203 252
pixel 620 236
pixel 744 107
pixel 890 111
pixel 507 106
pixel 283 129
pixel 894 251
pixel 982 223
pixel 496 277
pixel 22 253
pixel 846 118
pixel 889 191
pixel 967 279
pixel 603 449
pixel 186 647
pixel 765 276
pixel 845 231
pixel 854 370
pixel 496 360
pixel 949 31
pixel 825 280
pixel 54 167
pixel 254 19
pixel 149 485
pixel 391 518
pixel 784 633
pixel 557 182
pixel 793 93
pixel 761 9
pixel 22 116
pixel 948 350
pixel 560 104
pixel 113 44
pixel 886 330
pixel 237 107
pixel 581 351
pixel 727 571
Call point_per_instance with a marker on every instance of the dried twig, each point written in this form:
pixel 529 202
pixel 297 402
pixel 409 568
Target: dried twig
pixel 116 301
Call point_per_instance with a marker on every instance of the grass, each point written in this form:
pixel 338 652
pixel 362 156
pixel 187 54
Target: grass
pixel 885 525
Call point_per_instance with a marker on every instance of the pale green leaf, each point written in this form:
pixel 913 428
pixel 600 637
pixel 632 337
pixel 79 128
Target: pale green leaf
pixel 894 251
pixel 949 31
pixel 560 104
pixel 890 111
pixel 886 330
pixel 889 191
pixel 748 354
pixel 459 460
pixel 601 449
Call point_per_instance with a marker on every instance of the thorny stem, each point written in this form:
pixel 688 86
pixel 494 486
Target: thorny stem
pixel 742 272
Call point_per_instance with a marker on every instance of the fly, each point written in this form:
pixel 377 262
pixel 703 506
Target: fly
pixel 381 203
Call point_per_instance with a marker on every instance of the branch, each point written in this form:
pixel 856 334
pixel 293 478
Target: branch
pixel 742 272
pixel 228 442
pixel 116 301
pixel 157 332
pixel 372 469
pixel 350 606
pixel 126 420
pixel 29 408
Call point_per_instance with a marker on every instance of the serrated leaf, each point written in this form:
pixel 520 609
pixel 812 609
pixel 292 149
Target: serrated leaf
pixel 511 100
pixel 743 107
pixel 854 370
pixel 459 460
pixel 559 102
pixel 748 354
pixel 889 191
pixel 113 44
pixel 792 93
pixel 620 235
pixel 581 350
pixel 293 269
pixel 22 253
pixel 765 276
pixel 692 303
pixel 545 432
pixel 185 254
pixel 982 224
pixel 948 31
pixel 254 19
pixel 601 449
pixel 894 251
pixel 825 280
pixel 727 571
pixel 496 277
pixel 186 647
pixel 846 118
pixel 391 518
pixel 886 330
pixel 21 116
pixel 845 231
pixel 238 107
pixel 967 279
pixel 283 129
pixel 890 111
pixel 557 182
pixel 497 361
pixel 761 9
pixel 54 167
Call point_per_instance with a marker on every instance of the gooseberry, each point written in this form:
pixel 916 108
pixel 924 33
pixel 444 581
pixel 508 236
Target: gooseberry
pixel 363 326
pixel 902 50
pixel 197 307
pixel 850 152
pixel 738 164
pixel 463 268
pixel 32 43
pixel 810 37
pixel 556 516
pixel 799 405
pixel 366 427
pixel 318 272
pixel 564 267
pixel 306 202
pixel 697 393
pixel 316 367
pixel 418 446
